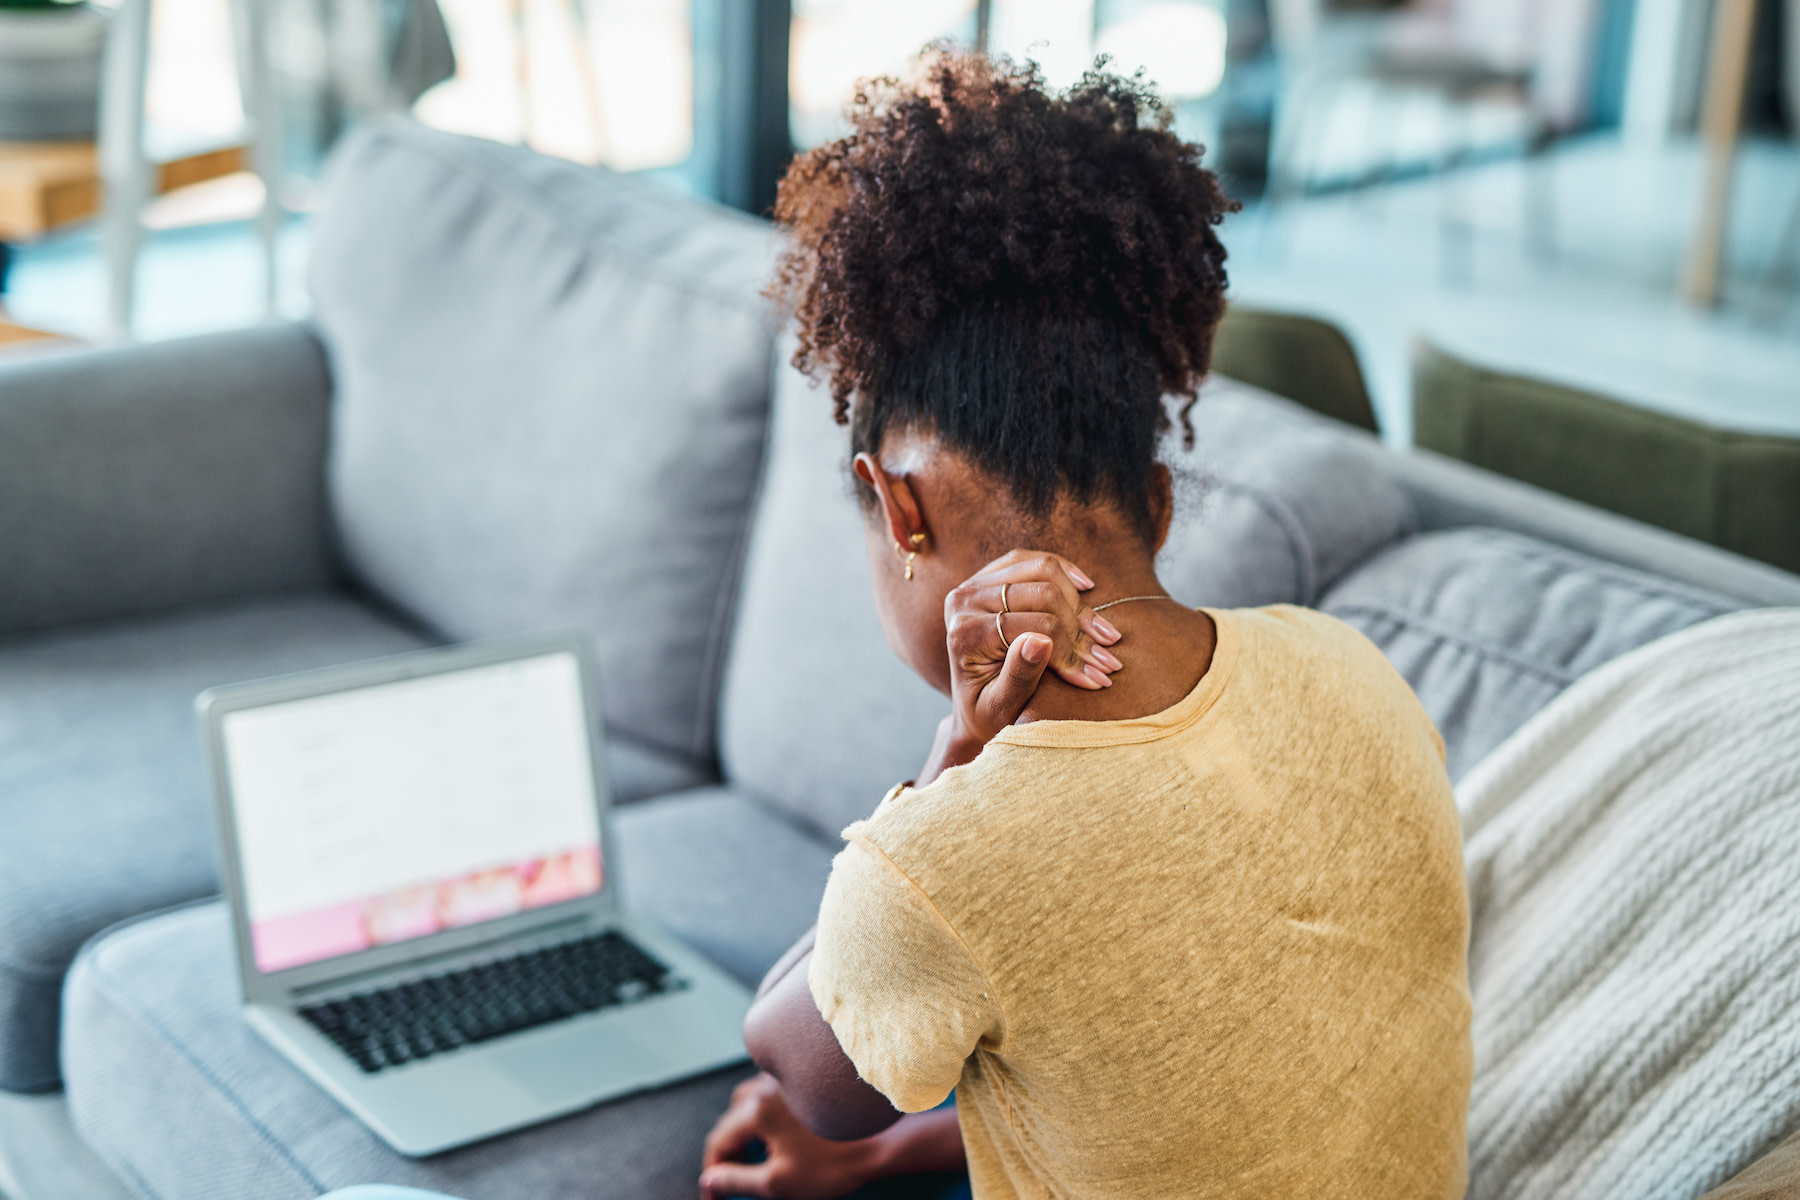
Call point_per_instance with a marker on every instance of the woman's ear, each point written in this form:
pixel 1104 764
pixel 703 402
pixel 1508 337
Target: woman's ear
pixel 899 507
pixel 1162 502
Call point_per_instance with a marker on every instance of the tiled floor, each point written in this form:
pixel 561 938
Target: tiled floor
pixel 1600 312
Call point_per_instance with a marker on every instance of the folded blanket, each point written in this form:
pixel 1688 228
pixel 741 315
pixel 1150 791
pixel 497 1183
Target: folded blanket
pixel 1634 872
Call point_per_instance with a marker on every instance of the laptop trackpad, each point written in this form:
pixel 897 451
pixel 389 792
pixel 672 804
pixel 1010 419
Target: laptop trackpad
pixel 584 1059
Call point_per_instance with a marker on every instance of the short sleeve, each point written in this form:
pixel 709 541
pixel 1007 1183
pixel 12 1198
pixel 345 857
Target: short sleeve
pixel 895 982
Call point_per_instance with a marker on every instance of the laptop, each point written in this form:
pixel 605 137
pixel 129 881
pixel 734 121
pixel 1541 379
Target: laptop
pixel 425 901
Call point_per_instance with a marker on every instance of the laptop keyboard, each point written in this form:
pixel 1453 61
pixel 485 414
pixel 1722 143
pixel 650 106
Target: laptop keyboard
pixel 412 1021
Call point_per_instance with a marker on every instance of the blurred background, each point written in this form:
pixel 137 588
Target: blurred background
pixel 1606 192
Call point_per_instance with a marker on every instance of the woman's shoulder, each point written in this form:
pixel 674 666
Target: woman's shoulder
pixel 961 811
pixel 1300 665
pixel 1307 639
pixel 1290 622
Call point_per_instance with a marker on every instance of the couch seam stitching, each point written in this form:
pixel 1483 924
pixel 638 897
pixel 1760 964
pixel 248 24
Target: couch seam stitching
pixel 1442 634
pixel 1626 578
pixel 730 592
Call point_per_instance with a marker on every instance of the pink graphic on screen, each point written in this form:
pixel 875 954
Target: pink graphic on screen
pixel 413 912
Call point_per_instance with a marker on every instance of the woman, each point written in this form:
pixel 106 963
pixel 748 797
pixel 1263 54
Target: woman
pixel 1176 904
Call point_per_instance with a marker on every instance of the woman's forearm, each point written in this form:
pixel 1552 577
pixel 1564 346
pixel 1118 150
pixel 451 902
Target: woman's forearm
pixel 927 1141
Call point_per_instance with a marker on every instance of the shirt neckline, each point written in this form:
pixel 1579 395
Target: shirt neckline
pixel 1179 716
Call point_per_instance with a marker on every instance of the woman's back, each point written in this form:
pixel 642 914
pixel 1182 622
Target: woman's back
pixel 1216 951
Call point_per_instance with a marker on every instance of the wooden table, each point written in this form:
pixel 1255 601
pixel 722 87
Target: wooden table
pixel 13 335
pixel 44 185
pixel 1721 123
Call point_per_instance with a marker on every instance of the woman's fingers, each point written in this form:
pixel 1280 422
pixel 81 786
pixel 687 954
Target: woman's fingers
pixel 1072 572
pixel 1025 600
pixel 734 1130
pixel 979 642
pixel 1099 628
pixel 736 1179
pixel 1001 701
pixel 1080 634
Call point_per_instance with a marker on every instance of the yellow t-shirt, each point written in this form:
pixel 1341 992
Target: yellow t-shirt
pixel 1219 951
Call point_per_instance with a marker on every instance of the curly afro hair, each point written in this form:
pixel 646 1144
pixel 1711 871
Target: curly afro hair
pixel 1023 273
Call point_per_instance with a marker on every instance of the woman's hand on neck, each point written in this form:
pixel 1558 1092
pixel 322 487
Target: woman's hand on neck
pixel 937 523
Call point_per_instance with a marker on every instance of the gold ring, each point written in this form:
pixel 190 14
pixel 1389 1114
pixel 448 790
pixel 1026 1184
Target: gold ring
pixel 1001 630
pixel 1003 607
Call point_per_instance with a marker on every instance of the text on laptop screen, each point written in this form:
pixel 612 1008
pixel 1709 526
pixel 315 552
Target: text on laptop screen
pixel 386 813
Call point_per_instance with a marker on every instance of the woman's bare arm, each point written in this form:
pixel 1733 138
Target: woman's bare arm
pixel 790 1040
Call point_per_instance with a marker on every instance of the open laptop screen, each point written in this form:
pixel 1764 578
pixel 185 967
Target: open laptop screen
pixel 393 811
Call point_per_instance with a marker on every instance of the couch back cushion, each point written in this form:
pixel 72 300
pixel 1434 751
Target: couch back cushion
pixel 1489 627
pixel 820 717
pixel 1274 502
pixel 552 388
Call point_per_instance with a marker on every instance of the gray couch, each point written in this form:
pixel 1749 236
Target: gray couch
pixel 538 395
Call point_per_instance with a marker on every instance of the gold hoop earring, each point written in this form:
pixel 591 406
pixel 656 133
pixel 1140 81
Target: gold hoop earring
pixel 906 556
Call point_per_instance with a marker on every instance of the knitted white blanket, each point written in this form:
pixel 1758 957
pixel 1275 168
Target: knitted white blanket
pixel 1634 872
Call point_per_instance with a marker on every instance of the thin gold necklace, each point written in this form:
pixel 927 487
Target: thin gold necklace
pixel 1129 599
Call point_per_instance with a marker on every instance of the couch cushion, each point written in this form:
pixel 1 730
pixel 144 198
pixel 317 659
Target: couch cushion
pixel 1277 506
pixel 552 383
pixel 818 716
pixel 103 794
pixel 176 1093
pixel 1489 627
pixel 1274 502
pixel 140 479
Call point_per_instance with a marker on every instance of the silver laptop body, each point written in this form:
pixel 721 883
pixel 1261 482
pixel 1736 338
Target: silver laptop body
pixel 433 814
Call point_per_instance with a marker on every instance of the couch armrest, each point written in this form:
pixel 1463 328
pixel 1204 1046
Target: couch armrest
pixel 142 478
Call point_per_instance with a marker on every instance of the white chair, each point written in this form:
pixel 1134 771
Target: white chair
pixel 128 173
pixel 373 65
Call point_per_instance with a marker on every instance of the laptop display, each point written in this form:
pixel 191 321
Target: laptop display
pixel 390 812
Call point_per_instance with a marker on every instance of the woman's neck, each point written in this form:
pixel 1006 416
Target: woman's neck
pixel 1166 648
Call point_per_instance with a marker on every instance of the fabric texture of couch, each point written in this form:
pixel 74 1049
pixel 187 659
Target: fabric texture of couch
pixel 200 477
pixel 1488 627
